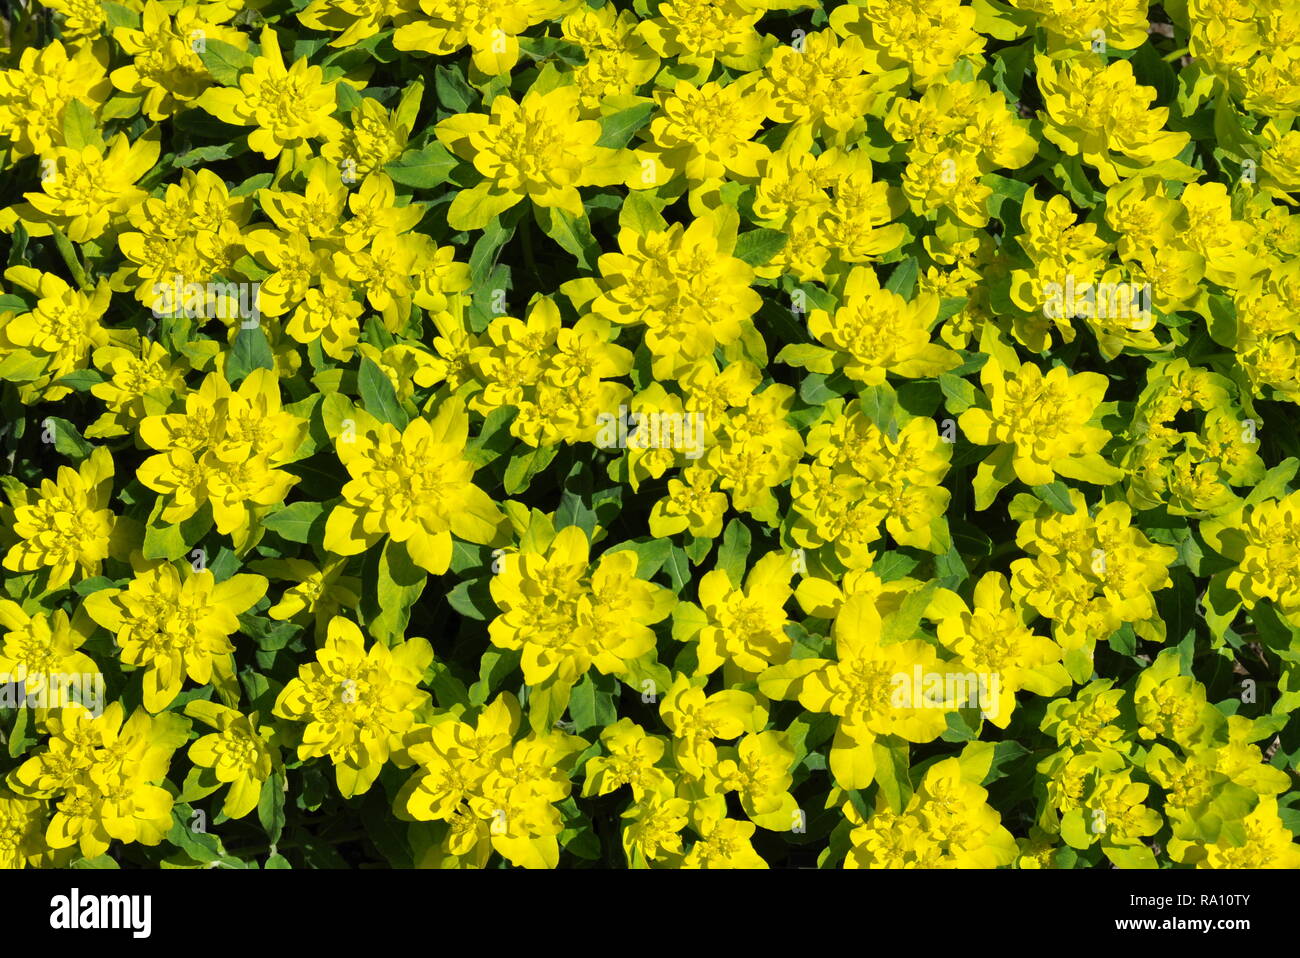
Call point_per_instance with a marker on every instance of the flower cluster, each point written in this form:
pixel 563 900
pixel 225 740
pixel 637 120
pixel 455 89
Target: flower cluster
pixel 654 434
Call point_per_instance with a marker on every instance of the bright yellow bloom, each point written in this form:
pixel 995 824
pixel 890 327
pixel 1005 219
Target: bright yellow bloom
pixel 57 337
pixel 167 69
pixel 1042 426
pixel 567 616
pixel 491 29
pixel 413 485
pixel 22 831
pixel 67 525
pixel 684 285
pixel 35 94
pixel 240 753
pixel 174 626
pixel 495 792
pixel 537 149
pixel 288 105
pixel 746 626
pixel 357 703
pixel 726 845
pixel 1096 111
pixel 89 189
pixel 105 775
pixel 875 332
pixel 632 760
pixel 41 652
pixel 864 688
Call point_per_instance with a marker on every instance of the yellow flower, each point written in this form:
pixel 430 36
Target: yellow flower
pixel 413 485
pixel 288 105
pixel 992 637
pixel 746 626
pixel 828 85
pixel 692 503
pixel 537 149
pixel 1268 555
pixel 619 60
pixel 105 775
pixel 142 381
pixel 496 793
pixel 696 718
pixel 864 687
pixel 1096 111
pixel 166 69
pixel 22 830
pixel 41 652
pixel 35 94
pixel 726 845
pixel 926 36
pixel 174 626
pixel 1268 843
pixel 1042 426
pixel 357 703
pixel 705 132
pixel 875 332
pixel 566 616
pixel 632 758
pixel 240 753
pixel 322 591
pixel 353 20
pixel 684 285
pixel 67 525
pixel 58 336
pixel 491 28
pixel 376 136
pixel 89 189
pixel 759 768
pixel 653 829
pixel 698 32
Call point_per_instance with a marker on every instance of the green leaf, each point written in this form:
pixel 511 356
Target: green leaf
pixel 892 772
pixel 494 665
pixel 616 130
pixel 66 438
pixel 1056 495
pixel 79 127
pixel 1131 856
pixel 1231 130
pixel 224 61
pixel 453 92
pixel 757 247
pixel 270 806
pixel 423 169
pixel 640 214
pixel 733 555
pixel 198 845
pixel 378 395
pixel 117 15
pixel 169 540
pixel 523 467
pixel 903 279
pixel 297 521
pixel 398 584
pixel 472 599
pixel 591 704
pixel 651 554
pixel 572 233
pixel 82 380
pixel 70 258
pixel 251 350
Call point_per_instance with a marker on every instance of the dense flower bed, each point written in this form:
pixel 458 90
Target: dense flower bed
pixel 699 433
